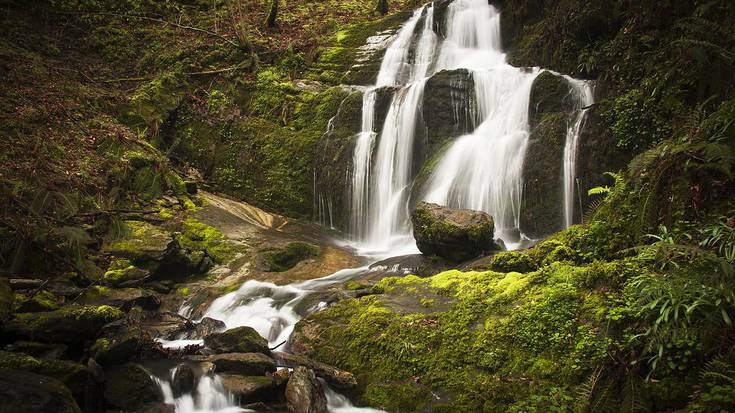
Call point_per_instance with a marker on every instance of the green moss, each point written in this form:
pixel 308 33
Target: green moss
pixel 202 237
pixel 512 261
pixel 122 270
pixel 486 329
pixel 288 257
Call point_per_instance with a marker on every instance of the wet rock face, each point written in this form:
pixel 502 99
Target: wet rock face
pixel 29 392
pixel 237 340
pixel 130 387
pixel 448 99
pixel 550 109
pixel 247 364
pixel 454 234
pixel 304 393
pixel 335 149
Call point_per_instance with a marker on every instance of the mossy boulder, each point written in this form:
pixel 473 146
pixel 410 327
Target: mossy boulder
pixel 6 300
pixel 123 298
pixel 70 324
pixel 198 236
pixel 454 234
pixel 130 387
pixel 286 258
pixel 73 375
pixel 237 340
pixel 246 364
pixel 24 392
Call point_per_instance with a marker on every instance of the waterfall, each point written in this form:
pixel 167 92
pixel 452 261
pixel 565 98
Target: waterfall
pixel 584 97
pixel 381 182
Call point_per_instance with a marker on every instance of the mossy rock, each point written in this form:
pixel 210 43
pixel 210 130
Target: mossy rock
pixel 122 271
pixel 246 364
pixel 199 236
pixel 123 345
pixel 73 375
pixel 143 243
pixel 454 234
pixel 70 324
pixel 287 258
pixel 23 392
pixel 40 301
pixel 237 340
pixel 130 387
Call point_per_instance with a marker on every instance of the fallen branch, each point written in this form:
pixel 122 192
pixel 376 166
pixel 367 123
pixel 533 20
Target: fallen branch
pixel 144 78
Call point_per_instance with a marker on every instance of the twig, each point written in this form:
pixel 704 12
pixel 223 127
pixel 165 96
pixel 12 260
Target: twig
pixel 278 345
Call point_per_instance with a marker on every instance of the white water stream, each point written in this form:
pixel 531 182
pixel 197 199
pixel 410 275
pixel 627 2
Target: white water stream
pixel 272 311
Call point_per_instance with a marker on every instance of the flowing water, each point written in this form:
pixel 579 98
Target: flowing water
pixel 481 170
pixel 584 97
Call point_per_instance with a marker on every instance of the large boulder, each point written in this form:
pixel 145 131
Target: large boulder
pixel 23 392
pixel 304 393
pixel 247 364
pixel 131 387
pixel 454 234
pixel 71 324
pixel 237 340
pixel 184 380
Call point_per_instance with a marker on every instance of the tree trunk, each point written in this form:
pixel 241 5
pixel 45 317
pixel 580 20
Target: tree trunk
pixel 383 7
pixel 272 15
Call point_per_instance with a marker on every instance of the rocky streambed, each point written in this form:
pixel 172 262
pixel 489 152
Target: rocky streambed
pixel 195 313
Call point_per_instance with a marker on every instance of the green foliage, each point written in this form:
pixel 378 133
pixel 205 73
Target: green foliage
pixel 638 120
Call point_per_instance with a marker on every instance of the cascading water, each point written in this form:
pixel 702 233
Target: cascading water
pixel 484 170
pixel 584 97
pixel 381 183
pixel 272 311
pixel 209 397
